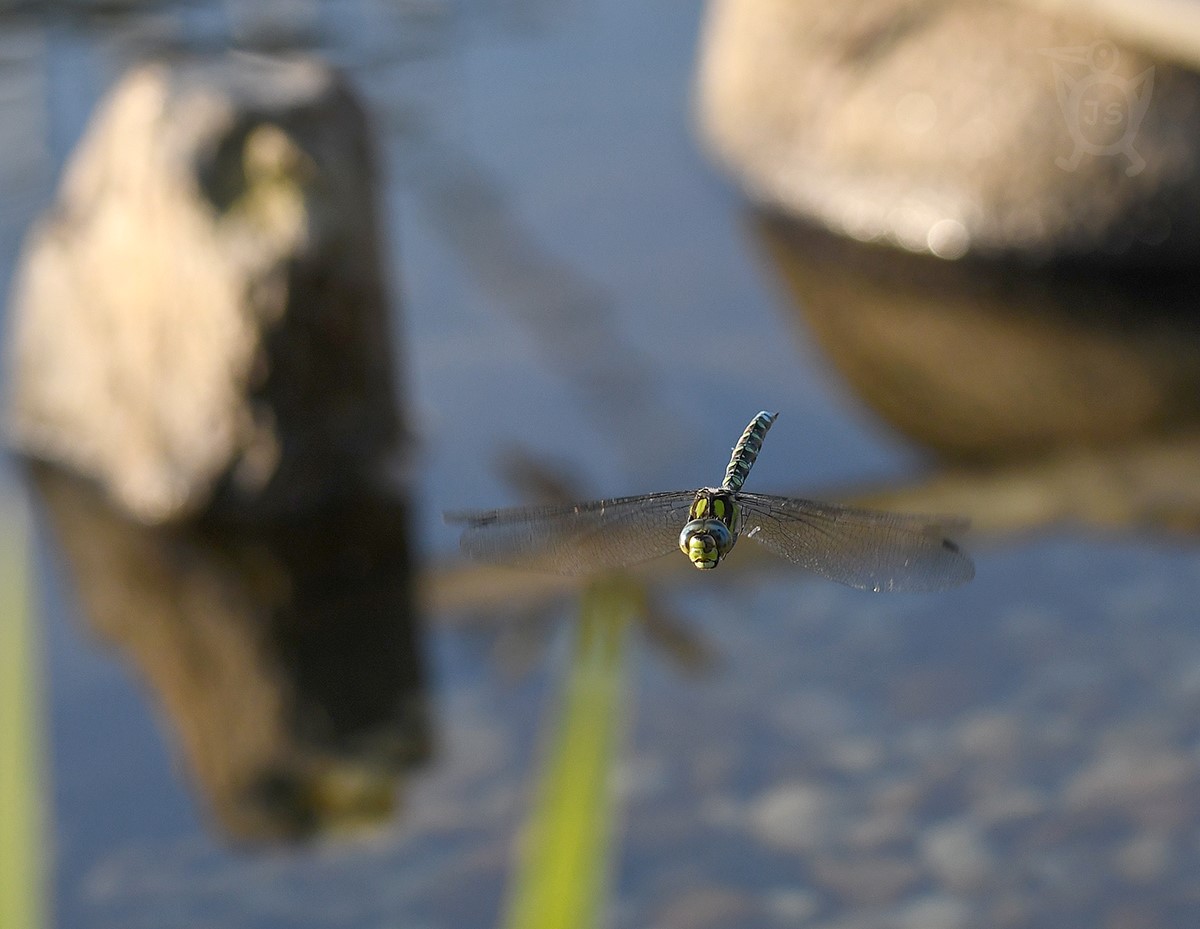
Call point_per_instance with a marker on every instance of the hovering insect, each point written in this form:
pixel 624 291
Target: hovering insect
pixel 868 549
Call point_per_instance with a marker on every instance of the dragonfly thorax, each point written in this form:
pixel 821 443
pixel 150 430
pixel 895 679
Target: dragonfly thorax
pixel 712 527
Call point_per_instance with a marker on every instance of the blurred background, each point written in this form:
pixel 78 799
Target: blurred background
pixel 479 254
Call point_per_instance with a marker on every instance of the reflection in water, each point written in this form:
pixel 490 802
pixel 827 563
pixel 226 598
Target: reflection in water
pixel 286 658
pixel 521 607
pixel 572 319
pixel 1058 396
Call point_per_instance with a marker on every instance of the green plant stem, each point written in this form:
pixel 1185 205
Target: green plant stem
pixel 564 862
pixel 20 800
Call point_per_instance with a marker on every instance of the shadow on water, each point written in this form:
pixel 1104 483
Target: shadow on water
pixel 1051 396
pixel 521 607
pixel 287 658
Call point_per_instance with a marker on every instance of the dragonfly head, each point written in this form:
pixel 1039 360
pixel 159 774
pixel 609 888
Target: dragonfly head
pixel 705 542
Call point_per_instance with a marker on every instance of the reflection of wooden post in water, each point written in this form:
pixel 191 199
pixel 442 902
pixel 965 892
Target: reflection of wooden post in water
pixel 201 326
pixel 286 658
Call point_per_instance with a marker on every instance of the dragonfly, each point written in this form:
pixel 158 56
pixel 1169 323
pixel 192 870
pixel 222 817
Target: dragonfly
pixel 868 549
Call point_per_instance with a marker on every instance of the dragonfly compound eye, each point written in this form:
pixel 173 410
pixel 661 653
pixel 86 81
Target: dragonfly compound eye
pixel 705 542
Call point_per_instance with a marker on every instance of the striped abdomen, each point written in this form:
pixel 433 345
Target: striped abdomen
pixel 746 450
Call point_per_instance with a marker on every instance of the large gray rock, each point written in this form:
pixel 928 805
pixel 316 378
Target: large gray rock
pixel 1041 131
pixel 200 322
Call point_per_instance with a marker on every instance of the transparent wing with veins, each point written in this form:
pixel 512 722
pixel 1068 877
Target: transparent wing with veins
pixel 578 538
pixel 869 549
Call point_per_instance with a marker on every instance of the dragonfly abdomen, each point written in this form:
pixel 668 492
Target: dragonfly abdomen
pixel 746 451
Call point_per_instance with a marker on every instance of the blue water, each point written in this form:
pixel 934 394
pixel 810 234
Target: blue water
pixel 541 165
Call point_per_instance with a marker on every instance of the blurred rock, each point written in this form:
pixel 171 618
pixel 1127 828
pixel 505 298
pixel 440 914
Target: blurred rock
pixel 1004 130
pixel 866 881
pixel 285 659
pixel 880 831
pixel 937 912
pixel 1133 778
pixel 990 736
pixel 200 322
pixel 1010 806
pixel 1146 857
pixel 791 907
pixel 957 853
pixel 798 816
pixel 856 755
pixel 707 908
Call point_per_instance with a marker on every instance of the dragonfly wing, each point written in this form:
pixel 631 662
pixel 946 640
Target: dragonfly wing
pixel 580 538
pixel 869 549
